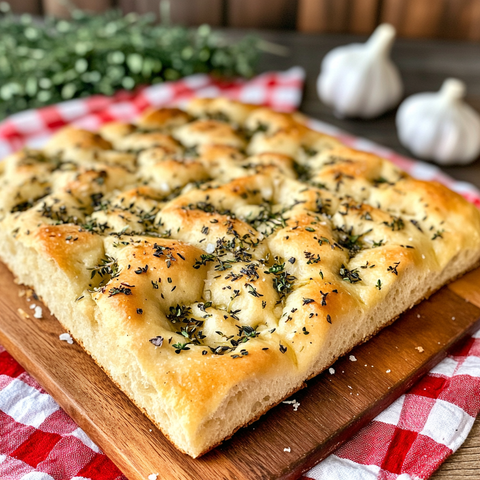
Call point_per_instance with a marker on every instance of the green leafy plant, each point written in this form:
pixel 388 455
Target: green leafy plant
pixel 48 61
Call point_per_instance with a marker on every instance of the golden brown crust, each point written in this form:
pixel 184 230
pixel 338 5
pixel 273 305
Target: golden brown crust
pixel 163 118
pixel 227 252
pixel 76 138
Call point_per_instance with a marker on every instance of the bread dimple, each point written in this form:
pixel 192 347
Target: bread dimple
pixel 173 173
pixel 156 270
pixel 221 109
pixel 211 260
pixel 138 141
pixel 201 132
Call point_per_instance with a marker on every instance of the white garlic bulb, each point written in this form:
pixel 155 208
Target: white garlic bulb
pixel 440 126
pixel 360 80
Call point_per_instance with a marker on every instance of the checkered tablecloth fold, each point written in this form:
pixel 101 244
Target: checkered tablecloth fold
pixel 407 441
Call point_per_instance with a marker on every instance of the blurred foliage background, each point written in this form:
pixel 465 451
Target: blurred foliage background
pixel 48 60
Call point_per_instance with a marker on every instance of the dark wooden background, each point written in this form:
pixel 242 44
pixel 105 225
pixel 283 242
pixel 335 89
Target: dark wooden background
pixel 452 19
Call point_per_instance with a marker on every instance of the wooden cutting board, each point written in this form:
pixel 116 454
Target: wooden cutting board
pixel 331 409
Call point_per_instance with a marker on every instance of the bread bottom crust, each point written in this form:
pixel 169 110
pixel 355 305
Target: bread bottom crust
pixel 31 268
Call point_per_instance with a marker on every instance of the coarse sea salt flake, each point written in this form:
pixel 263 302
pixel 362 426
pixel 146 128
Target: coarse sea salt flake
pixel 388 371
pixel 287 449
pixel 153 476
pixel 210 248
pixel 32 306
pixel 352 358
pixel 38 312
pixel 66 337
pixel 331 371
pixel 294 403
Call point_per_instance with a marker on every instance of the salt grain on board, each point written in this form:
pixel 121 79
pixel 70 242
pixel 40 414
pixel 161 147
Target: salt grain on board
pixel 294 403
pixel 66 337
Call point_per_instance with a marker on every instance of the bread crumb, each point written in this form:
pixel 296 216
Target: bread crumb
pixel 21 293
pixel 66 337
pixel 287 449
pixel 420 349
pixel 38 312
pixel 352 358
pixel 331 371
pixel 153 476
pixel 23 314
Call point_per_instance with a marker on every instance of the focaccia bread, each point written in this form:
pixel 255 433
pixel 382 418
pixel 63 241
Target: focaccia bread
pixel 212 260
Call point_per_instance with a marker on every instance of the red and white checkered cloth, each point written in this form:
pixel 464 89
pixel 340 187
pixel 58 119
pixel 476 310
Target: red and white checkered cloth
pixel 407 441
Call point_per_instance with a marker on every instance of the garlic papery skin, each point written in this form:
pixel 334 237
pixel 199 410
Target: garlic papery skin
pixel 360 80
pixel 440 126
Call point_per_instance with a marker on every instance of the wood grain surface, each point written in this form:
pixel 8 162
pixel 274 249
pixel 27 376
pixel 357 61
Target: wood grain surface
pixel 454 19
pixel 332 408
pixel 355 16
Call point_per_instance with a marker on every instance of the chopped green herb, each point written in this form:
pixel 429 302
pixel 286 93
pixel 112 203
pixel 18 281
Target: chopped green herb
pixel 351 276
pixel 438 234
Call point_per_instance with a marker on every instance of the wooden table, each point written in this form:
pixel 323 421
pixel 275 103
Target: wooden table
pixel 423 64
